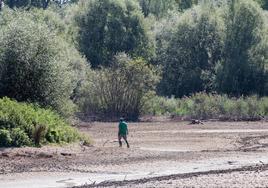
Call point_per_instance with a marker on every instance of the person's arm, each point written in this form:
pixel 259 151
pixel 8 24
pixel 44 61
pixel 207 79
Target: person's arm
pixel 127 128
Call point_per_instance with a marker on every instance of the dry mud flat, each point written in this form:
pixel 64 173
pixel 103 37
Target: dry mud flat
pixel 216 154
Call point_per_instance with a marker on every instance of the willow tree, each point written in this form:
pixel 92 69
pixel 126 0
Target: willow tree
pixel 107 27
pixel 242 71
pixel 36 64
pixel 189 51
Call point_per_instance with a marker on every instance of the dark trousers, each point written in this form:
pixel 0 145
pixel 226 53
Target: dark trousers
pixel 120 136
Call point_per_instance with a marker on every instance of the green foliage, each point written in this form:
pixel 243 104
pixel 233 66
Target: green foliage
pixel 263 3
pixel 51 19
pixel 19 138
pixel 107 27
pixel 214 46
pixel 18 3
pixel 242 71
pixel 120 89
pixel 36 65
pixel 39 133
pixel 209 106
pixel 185 4
pixel 27 4
pixel 160 8
pixel 189 52
pixel 5 138
pixel 161 106
pixel 24 124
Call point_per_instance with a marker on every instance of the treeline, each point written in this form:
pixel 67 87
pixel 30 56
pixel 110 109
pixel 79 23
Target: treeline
pixel 221 49
pixel 108 57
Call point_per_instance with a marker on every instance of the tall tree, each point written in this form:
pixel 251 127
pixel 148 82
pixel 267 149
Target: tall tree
pixel 189 53
pixel 107 27
pixel 36 64
pixel 242 71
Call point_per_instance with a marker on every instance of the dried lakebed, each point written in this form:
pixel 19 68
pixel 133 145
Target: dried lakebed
pixel 217 154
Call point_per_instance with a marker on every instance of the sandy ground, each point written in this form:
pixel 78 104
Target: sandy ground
pixel 216 154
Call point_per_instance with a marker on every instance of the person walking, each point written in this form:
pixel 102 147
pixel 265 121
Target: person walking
pixel 122 132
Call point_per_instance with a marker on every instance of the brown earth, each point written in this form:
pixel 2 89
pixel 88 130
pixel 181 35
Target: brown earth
pixel 216 154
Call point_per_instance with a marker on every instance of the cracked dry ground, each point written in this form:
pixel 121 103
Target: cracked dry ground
pixel 216 154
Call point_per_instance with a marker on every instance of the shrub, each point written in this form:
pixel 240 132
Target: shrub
pixel 162 106
pixel 39 133
pixel 23 124
pixel 119 90
pixel 19 138
pixel 209 106
pixel 5 138
pixel 264 106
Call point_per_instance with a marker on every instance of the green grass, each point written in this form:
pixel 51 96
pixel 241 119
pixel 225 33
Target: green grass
pixel 23 124
pixel 209 106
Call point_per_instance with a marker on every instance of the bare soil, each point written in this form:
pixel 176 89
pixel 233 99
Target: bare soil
pixel 172 154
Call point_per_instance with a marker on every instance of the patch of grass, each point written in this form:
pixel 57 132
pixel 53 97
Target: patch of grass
pixel 23 124
pixel 209 106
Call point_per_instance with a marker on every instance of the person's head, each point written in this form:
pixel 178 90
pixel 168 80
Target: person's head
pixel 121 119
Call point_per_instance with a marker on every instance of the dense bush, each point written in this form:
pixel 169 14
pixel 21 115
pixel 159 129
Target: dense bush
pixel 24 124
pixel 119 90
pixel 5 138
pixel 36 64
pixel 209 106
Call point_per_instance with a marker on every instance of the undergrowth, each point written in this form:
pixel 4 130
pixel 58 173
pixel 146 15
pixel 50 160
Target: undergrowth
pixel 209 106
pixel 23 124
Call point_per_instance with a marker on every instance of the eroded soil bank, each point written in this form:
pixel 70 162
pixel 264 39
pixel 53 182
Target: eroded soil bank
pixel 216 154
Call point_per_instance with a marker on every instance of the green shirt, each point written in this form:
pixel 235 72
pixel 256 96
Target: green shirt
pixel 123 128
